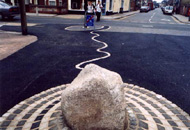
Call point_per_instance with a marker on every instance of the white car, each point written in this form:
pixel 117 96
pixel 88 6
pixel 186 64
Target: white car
pixel 168 10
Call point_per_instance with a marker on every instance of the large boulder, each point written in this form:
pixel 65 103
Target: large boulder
pixel 94 100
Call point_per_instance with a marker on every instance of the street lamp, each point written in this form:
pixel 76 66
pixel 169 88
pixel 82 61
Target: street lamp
pixel 23 17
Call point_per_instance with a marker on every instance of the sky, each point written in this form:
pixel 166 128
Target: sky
pixel 159 1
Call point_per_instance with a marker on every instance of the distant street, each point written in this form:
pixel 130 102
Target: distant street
pixel 147 49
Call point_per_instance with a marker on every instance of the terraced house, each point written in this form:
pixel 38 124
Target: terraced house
pixel 73 6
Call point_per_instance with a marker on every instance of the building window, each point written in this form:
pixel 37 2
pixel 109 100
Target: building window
pixel 76 4
pixel 60 3
pixel 52 3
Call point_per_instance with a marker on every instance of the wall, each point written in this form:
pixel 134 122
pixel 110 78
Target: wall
pixel 126 5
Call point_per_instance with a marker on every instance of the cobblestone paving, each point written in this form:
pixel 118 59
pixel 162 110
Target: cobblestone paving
pixel 145 110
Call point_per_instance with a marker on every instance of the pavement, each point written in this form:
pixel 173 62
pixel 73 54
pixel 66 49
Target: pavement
pixel 148 49
pixel 12 42
pixel 182 18
pixel 74 16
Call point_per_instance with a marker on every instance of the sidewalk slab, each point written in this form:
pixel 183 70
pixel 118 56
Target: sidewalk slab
pixel 182 18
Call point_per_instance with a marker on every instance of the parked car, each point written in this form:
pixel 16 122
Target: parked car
pixel 144 9
pixel 162 8
pixel 8 11
pixel 168 10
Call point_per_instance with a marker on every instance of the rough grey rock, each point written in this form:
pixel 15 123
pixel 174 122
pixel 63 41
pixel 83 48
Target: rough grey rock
pixel 94 100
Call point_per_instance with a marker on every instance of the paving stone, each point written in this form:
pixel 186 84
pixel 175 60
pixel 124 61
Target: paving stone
pixel 132 127
pixel 137 89
pixel 161 110
pixel 150 102
pixel 143 98
pixel 50 92
pixel 36 98
pixel 134 123
pixel 56 90
pixel 136 94
pixel 5 123
pixel 143 125
pixel 175 111
pixel 166 116
pixel 43 95
pixel 169 106
pixel 32 111
pixel 157 120
pixel 143 91
pixel 54 114
pixel 50 99
pixel 140 103
pixel 136 110
pixel 35 125
pixel 44 112
pixel 18 128
pixel 152 114
pixel 3 128
pixel 38 106
pixel 147 108
pixel 160 127
pixel 162 102
pixel 11 117
pixel 24 106
pixel 58 95
pixel 131 105
pixel 21 123
pixel 51 123
pixel 38 118
pixel 44 102
pixel 150 94
pixel 155 106
pixel 129 92
pixel 187 123
pixel 172 123
pixel 17 111
pixel 181 117
pixel 30 102
pixel 55 102
pixel 174 128
pixel 141 117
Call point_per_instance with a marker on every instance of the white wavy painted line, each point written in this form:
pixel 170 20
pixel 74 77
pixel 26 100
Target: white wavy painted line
pixel 98 50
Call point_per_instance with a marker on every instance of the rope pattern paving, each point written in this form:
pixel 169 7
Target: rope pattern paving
pixel 145 110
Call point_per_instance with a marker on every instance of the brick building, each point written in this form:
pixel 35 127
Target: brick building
pixel 72 6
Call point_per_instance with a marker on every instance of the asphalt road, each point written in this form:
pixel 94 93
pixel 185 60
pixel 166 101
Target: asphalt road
pixel 147 49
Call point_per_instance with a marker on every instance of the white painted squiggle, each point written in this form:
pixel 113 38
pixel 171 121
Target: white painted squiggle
pixel 78 66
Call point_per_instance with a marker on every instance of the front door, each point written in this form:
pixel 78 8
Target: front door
pixel 104 7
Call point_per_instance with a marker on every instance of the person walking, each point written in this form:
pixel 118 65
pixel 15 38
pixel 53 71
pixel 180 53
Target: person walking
pixel 90 8
pixel 98 10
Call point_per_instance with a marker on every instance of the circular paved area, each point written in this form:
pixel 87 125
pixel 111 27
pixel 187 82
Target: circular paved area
pixel 145 110
pixel 81 28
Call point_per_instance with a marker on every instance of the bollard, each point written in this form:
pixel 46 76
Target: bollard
pixel 36 10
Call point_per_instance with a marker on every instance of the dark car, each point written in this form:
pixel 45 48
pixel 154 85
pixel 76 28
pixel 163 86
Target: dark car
pixel 8 11
pixel 144 9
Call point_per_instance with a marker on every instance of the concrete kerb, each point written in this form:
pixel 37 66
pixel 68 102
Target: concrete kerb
pixel 180 20
pixel 40 14
pixel 119 15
